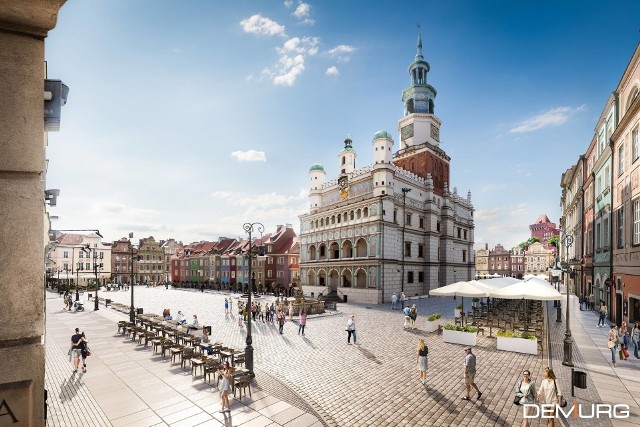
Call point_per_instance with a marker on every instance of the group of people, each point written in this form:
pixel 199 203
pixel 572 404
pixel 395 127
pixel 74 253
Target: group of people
pixel 395 299
pixel 180 319
pixel 621 338
pixel 410 316
pixel 79 349
pixel 548 394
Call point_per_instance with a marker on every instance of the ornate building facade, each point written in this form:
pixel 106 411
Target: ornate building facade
pixel 394 225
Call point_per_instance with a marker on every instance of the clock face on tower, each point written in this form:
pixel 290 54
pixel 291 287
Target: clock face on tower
pixel 343 182
pixel 406 131
pixel 435 132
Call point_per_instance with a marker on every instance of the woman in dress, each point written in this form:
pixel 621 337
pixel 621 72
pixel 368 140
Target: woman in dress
pixel 225 388
pixel 549 393
pixel 421 358
pixel 613 343
pixel 528 390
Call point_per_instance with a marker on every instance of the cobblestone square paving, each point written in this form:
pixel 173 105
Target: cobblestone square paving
pixel 372 383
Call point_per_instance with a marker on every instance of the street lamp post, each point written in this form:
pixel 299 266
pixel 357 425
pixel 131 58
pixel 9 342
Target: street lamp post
pixel 405 190
pixel 248 350
pixel 132 314
pixel 79 267
pixel 95 273
pixel 568 339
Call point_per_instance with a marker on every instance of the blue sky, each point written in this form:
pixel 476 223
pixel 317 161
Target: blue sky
pixel 186 119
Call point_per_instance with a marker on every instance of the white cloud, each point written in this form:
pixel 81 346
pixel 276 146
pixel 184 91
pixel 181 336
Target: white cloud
pixel 332 71
pixel 487 214
pixel 292 60
pixel 250 156
pixel 258 24
pixel 124 210
pixel 302 12
pixel 288 3
pixel 554 117
pixel 341 52
pixel 493 187
pixel 518 210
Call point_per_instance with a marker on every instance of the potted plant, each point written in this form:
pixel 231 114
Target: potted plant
pixel 458 311
pixel 465 335
pixel 518 342
pixel 476 301
pixel 433 322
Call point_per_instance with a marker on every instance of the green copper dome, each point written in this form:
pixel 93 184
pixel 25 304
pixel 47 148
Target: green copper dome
pixel 382 134
pixel 317 167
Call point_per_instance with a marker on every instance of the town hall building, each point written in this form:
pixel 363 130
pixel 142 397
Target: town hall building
pixel 395 225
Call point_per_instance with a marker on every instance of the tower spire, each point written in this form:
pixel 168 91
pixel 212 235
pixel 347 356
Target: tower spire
pixel 419 56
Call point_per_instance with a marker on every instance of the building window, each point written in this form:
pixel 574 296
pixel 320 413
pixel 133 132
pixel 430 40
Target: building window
pixel 635 142
pixel 636 222
pixel 269 260
pixel 420 276
pixel 421 222
pixel 395 215
pixel 269 273
pixel 620 223
pixel 598 236
pixel 420 251
pixel 621 159
pixel 438 226
pixel 464 256
pixel 465 234
pixel 606 240
pixel 407 249
pixel 280 274
pixel 408 219
pixel 410 277
pixel 65 254
pixel 281 260
pixel 88 266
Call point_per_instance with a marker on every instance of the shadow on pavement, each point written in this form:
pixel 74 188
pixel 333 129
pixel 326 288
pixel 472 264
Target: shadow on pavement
pixel 368 354
pixel 69 388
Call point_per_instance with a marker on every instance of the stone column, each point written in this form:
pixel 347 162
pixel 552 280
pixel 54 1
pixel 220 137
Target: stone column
pixel 23 27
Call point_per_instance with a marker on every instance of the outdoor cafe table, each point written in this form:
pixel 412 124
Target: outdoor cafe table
pixel 228 353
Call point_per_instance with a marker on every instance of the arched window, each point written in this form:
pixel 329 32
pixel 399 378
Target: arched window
pixel 365 212
pixel 351 215
pixel 344 159
pixel 358 213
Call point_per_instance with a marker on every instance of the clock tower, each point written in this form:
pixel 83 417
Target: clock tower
pixel 419 124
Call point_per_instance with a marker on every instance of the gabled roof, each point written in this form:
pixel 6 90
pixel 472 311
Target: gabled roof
pixel 542 219
pixel 70 239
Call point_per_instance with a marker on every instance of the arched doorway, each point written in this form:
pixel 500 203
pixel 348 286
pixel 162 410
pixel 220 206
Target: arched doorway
pixel 347 249
pixel 361 248
pixel 334 251
pixel 312 253
pixel 322 278
pixel 311 278
pixel 361 278
pixel 346 278
pixel 333 280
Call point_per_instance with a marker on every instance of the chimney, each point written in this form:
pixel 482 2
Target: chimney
pixel 486 246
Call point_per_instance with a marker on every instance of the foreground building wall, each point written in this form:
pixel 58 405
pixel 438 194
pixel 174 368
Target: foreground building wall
pixel 23 27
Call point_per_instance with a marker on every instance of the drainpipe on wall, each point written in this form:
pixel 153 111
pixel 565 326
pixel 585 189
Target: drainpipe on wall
pixel 611 239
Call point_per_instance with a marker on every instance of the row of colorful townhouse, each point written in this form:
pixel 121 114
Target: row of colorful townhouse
pixel 600 238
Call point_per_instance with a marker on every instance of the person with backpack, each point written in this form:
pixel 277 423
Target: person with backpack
pixel 603 315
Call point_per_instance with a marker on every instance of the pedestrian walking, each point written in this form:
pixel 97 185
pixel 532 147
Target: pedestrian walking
pixel 623 340
pixel 612 343
pixel 272 311
pixel 592 302
pixel 421 358
pixel 413 314
pixel 549 392
pixel 394 301
pixel 240 311
pixel 281 319
pixel 403 298
pixel 226 306
pixel 291 311
pixel 231 306
pixel 225 388
pixel 528 389
pixel 470 373
pixel 407 316
pixel 303 322
pixel 76 349
pixel 603 315
pixel 84 351
pixel 351 329
pixel 635 339
pixel 260 312
pixel 254 310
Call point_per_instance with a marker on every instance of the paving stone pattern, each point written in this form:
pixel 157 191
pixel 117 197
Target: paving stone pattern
pixel 372 383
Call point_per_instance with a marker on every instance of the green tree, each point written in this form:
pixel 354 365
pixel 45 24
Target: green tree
pixel 553 241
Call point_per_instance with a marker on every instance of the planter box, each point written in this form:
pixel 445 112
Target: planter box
pixel 432 326
pixel 457 337
pixel 518 345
